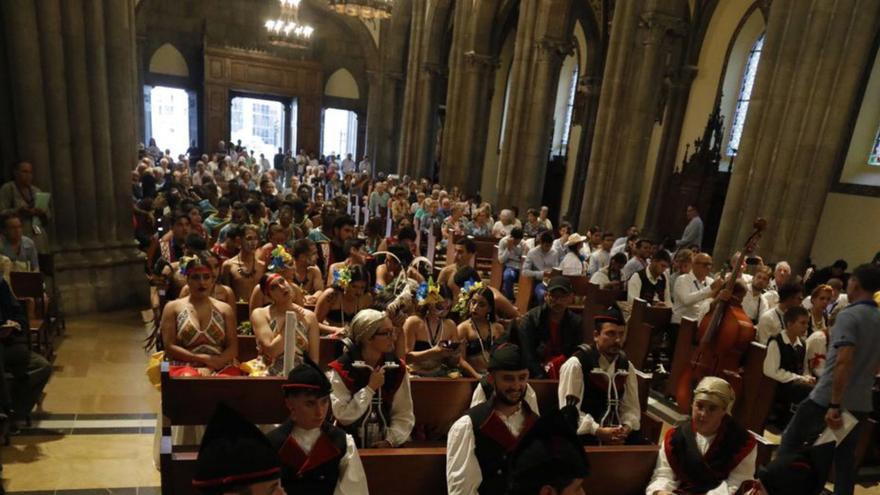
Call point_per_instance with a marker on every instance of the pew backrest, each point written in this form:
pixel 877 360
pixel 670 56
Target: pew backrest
pixel 758 390
pixel 644 322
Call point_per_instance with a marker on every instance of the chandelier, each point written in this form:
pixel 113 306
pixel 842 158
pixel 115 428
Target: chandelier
pixel 287 31
pixel 365 9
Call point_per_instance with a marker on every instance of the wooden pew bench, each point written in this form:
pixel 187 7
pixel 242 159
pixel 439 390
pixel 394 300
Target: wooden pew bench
pixel 645 323
pixel 330 348
pixel 621 470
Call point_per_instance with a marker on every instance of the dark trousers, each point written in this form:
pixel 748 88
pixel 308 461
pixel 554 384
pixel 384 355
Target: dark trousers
pixel 23 375
pixel 805 427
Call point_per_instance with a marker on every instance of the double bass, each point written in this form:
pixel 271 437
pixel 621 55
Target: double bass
pixel 722 342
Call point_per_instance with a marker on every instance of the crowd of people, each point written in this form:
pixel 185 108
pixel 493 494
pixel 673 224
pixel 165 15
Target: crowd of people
pixel 318 249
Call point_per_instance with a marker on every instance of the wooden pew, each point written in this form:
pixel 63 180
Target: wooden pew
pixel 330 348
pixel 595 301
pixel 758 391
pixel 242 312
pixel 681 357
pixel 524 293
pixel 486 259
pixel 422 471
pixel 644 322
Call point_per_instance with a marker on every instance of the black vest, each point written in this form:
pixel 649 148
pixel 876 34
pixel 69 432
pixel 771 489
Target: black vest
pixel 595 399
pixel 317 473
pixel 493 445
pixel 791 357
pixel 358 378
pixel 697 473
pixel 651 292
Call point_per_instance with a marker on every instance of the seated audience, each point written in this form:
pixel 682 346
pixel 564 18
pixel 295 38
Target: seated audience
pixel 370 395
pixel 463 255
pixel 230 246
pixel 280 262
pixel 220 292
pixel 784 363
pixel 242 272
pixel 306 275
pixel 316 457
pixel 610 277
pixel 601 257
pixel 682 263
pixel 819 300
pixel 355 255
pixel 479 442
pixel 572 263
pixel 270 325
pixel 16 246
pixel 341 301
pixel 694 291
pixel 638 259
pixel 687 464
pixel 480 332
pixel 755 301
pixel 601 383
pixel 540 263
pixel 432 342
pixel 773 320
pixel 550 333
pixel 511 250
pixel 651 284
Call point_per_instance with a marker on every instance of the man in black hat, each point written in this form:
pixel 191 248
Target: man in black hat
pixel 550 333
pixel 549 460
pixel 600 381
pixel 236 458
pixel 480 442
pixel 316 457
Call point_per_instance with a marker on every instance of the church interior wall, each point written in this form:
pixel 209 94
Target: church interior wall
pixel 856 169
pixel 574 137
pixel 489 190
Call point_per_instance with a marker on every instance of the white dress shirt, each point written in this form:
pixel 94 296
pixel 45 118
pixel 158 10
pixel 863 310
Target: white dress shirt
pixel 692 297
pixel 348 408
pixel 571 383
pixel 531 398
pixel 771 323
pixel 755 305
pixel 537 262
pixel 634 288
pixel 599 259
pixel 571 265
pixel 601 278
pixel 352 480
pixel 631 267
pixel 772 361
pixel 663 478
pixel 463 475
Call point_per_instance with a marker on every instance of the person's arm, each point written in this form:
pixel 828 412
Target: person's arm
pixel 271 344
pixel 317 279
pixel 633 289
pixel 256 300
pixel 685 293
pixel 34 260
pixel 348 408
pixel 322 308
pixel 531 268
pixel 503 251
pixel 743 472
pixel 571 384
pixel 772 368
pixel 765 327
pixel 663 479
pixel 527 341
pixel 402 417
pixel 630 409
pixel 462 360
pixel 463 475
pixel 352 479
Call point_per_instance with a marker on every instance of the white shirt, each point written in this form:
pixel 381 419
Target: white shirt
pixel 352 479
pixel 463 475
pixel 531 398
pixel 571 264
pixel 631 267
pixel 348 166
pixel 692 297
pixel 817 348
pixel 663 478
pixel 771 322
pixel 571 383
pixel 349 408
pixel 755 305
pixel 772 361
pixel 599 259
pixel 772 298
pixel 634 288
pixel 601 278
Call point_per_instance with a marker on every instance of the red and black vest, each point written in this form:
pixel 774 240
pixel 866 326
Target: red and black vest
pixel 494 443
pixel 595 399
pixel 652 292
pixel 316 472
pixel 698 473
pixel 358 378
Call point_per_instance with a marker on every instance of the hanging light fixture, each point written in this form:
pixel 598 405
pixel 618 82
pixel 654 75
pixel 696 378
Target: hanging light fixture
pixel 365 9
pixel 287 30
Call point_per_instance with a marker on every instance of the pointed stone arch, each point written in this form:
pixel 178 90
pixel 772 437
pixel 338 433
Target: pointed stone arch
pixel 342 84
pixel 168 60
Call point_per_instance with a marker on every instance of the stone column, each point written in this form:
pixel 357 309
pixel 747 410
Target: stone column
pixel 382 120
pixel 811 70
pixel 409 127
pixel 74 93
pixel 457 112
pixel 592 89
pixel 421 155
pixel 634 71
pixel 534 77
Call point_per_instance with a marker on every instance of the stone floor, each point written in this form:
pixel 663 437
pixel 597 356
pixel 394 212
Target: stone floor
pixel 94 432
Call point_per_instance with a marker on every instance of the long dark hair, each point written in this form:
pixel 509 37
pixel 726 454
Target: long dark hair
pixel 489 296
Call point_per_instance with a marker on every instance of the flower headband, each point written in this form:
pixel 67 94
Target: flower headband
pixel 271 280
pixel 464 296
pixel 279 258
pixel 428 293
pixel 342 276
pixel 189 264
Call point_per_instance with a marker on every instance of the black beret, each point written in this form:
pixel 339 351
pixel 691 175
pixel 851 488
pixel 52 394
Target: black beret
pixel 507 357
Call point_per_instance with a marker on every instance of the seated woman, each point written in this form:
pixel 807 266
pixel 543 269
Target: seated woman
pixel 339 303
pixel 199 331
pixel 785 363
pixel 504 309
pixel 281 263
pixel 219 291
pixel 481 226
pixel 270 325
pixel 480 331
pixel 371 396
pixel 431 338
pixel 708 454
pixel 306 275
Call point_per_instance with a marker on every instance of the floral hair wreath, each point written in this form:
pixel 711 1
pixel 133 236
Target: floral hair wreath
pixel 188 264
pixel 470 287
pixel 428 293
pixel 342 277
pixel 279 258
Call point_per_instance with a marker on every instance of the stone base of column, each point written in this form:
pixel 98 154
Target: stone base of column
pixel 101 280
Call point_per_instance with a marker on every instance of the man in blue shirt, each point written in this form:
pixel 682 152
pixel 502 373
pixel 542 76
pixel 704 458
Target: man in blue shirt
pixel 846 385
pixel 16 246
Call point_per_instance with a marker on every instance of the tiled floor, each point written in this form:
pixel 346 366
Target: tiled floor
pixel 94 432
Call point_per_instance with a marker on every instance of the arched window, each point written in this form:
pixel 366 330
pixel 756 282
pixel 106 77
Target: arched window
pixel 569 108
pixel 874 157
pixel 745 95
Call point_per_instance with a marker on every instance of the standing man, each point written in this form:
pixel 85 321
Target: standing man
pixel 846 386
pixel 693 232
pixel 364 167
pixel 348 165
pixel 480 442
pixel 278 165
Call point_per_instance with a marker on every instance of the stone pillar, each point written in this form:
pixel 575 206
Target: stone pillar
pixel 382 119
pixel 537 60
pixel 587 117
pixel 634 71
pixel 409 126
pixel 811 70
pixel 74 62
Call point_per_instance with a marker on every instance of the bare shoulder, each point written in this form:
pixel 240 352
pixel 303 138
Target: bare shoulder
pixel 223 307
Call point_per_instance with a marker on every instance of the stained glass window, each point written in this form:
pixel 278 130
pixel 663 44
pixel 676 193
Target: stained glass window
pixel 745 96
pixel 874 157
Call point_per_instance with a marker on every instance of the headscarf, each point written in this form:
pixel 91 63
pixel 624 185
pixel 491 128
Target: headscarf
pixel 717 391
pixel 365 324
